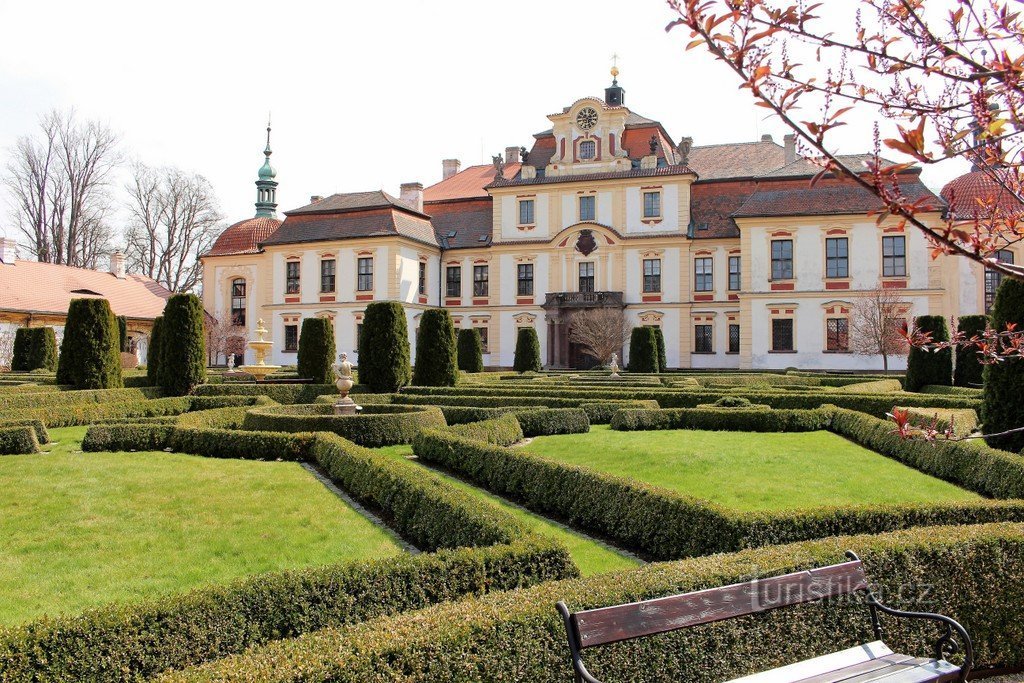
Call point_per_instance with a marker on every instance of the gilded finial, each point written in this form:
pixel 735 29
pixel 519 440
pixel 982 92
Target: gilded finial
pixel 615 69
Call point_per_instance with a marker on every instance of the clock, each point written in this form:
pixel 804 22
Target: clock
pixel 586 118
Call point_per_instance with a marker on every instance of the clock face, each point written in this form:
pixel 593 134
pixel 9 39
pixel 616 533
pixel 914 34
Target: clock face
pixel 586 118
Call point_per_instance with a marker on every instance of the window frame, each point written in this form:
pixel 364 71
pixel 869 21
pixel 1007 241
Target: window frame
pixel 592 146
pixel 736 327
pixel 243 297
pixel 333 275
pixel 292 280
pixel 838 340
pixel 704 274
pixel 993 278
pixel 290 330
pixel 652 210
pixel 364 274
pixel 449 281
pixel 704 336
pixel 422 283
pixel 775 335
pixel 589 277
pixel 735 276
pixel 894 265
pixel 524 279
pixel 531 208
pixel 652 279
pixel 837 265
pixel 591 202
pixel 781 263
pixel 481 281
pixel 482 330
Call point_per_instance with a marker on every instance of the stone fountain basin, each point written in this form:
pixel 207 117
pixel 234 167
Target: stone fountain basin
pixel 375 426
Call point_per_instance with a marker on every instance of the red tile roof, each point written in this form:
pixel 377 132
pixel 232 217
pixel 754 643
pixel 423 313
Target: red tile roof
pixel 837 197
pixel 712 206
pixel 467 183
pixel 468 220
pixel 354 201
pixel 36 287
pixel 587 177
pixel 976 194
pixel 353 224
pixel 736 160
pixel 244 237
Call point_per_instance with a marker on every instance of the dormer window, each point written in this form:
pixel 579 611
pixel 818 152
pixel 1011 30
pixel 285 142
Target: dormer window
pixel 588 149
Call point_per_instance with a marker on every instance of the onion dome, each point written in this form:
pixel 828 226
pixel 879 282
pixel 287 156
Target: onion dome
pixel 978 193
pixel 245 236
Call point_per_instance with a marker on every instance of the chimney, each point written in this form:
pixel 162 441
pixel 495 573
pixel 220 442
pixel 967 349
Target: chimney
pixel 8 250
pixel 314 198
pixel 789 143
pixel 117 265
pixel 449 167
pixel 512 155
pixel 767 137
pixel 412 194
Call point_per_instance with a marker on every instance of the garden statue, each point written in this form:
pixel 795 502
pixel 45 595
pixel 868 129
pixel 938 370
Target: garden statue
pixel 231 362
pixel 614 365
pixel 344 382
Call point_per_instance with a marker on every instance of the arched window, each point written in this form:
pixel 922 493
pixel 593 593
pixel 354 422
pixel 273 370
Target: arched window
pixel 238 302
pixel 993 277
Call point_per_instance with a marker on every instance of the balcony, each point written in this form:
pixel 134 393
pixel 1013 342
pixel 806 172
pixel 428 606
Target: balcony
pixel 559 300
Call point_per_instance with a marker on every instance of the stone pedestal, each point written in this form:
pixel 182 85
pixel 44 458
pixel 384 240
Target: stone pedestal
pixel 346 406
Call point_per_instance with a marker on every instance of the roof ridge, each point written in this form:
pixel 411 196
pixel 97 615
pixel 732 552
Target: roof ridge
pixel 736 144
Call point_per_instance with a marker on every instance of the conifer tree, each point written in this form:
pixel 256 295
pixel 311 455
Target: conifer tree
pixel 471 355
pixel 1002 407
pixel 90 356
pixel 182 346
pixel 384 348
pixel 22 342
pixel 968 364
pixel 643 350
pixel 42 349
pixel 153 353
pixel 659 337
pixel 316 351
pixel 527 358
pixel 930 367
pixel 436 353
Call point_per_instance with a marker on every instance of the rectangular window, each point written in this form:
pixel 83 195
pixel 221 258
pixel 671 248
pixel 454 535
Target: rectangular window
pixel 423 279
pixel 364 281
pixel 587 276
pixel 837 257
pixel 782 259
pixel 652 205
pixel 291 277
pixel 483 339
pixel 524 279
pixel 238 302
pixel 734 273
pixel 453 281
pixel 702 339
pixel 894 256
pixel 782 334
pixel 587 212
pixel 526 212
pixel 291 337
pixel 652 275
pixel 588 149
pixel 837 336
pixel 327 266
pixel 993 278
pixel 734 338
pixel 703 274
pixel 480 281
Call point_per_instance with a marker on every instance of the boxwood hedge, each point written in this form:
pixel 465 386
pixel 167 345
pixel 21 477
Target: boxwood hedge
pixel 747 419
pixel 281 393
pixel 972 573
pixel 547 421
pixel 18 440
pixel 375 426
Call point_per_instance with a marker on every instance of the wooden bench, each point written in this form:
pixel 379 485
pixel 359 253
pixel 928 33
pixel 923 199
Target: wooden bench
pixel 871 662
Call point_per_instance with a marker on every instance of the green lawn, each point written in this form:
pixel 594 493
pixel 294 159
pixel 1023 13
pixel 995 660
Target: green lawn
pixel 752 471
pixel 590 557
pixel 81 529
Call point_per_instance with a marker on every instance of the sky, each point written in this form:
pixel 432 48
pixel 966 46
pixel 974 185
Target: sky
pixel 363 95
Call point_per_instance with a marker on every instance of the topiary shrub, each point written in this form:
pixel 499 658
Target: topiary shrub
pixel 732 402
pixel 384 343
pixel 471 355
pixel 153 353
pixel 968 366
pixel 316 350
pixel 1002 408
pixel 930 367
pixel 183 346
pixel 659 337
pixel 19 357
pixel 42 352
pixel 643 350
pixel 436 354
pixel 122 331
pixel 90 355
pixel 527 358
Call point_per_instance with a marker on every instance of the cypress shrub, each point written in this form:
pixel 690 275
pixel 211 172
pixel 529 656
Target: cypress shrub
pixel 968 367
pixel 183 346
pixel 153 354
pixel 42 349
pixel 436 354
pixel 316 351
pixel 1002 407
pixel 930 367
pixel 19 359
pixel 122 330
pixel 659 337
pixel 90 356
pixel 643 350
pixel 384 355
pixel 471 355
pixel 527 357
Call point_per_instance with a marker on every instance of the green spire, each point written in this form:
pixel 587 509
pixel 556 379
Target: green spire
pixel 266 186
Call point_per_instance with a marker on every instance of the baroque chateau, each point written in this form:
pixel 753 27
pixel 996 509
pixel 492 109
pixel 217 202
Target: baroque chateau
pixel 727 248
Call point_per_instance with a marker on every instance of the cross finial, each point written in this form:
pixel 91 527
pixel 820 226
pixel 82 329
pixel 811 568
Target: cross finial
pixel 267 150
pixel 615 68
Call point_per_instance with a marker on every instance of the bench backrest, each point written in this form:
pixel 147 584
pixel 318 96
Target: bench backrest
pixel 637 619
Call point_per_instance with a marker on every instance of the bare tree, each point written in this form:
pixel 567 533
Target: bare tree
pixel 60 181
pixel 600 331
pixel 876 323
pixel 174 219
pixel 224 339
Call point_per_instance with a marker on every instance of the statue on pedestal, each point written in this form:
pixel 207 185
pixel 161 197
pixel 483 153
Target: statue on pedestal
pixel 614 365
pixel 344 382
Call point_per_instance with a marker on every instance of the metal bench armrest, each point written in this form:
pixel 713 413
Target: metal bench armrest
pixel 570 632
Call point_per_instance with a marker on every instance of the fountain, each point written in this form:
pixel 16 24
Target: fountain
pixel 260 347
pixel 344 382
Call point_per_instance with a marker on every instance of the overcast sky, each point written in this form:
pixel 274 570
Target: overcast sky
pixel 364 95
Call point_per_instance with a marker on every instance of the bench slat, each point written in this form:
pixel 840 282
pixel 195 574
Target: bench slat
pixel 870 655
pixel 925 671
pixel 637 619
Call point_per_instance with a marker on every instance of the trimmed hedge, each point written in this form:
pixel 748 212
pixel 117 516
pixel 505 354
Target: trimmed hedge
pixel 436 352
pixel 183 345
pixel 316 350
pixel 122 333
pixel 878 386
pixel 90 353
pixel 61 398
pixel 18 440
pixel 471 355
pixel 1003 408
pixel 964 420
pixel 930 367
pixel 968 370
pixel 501 431
pixel 384 347
pixel 280 393
pixel 42 435
pixel 747 419
pixel 375 426
pixel 970 392
pixel 527 355
pixel 974 574
pixel 35 348
pixel 153 353
pixel 87 413
pixel 643 350
pixel 547 421
pixel 19 354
